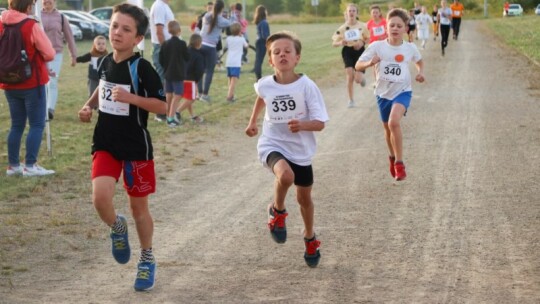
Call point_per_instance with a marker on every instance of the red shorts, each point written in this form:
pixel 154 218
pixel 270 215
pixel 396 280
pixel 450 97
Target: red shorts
pixel 190 90
pixel 139 176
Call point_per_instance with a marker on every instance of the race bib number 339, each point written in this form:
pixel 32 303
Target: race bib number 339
pixel 283 108
pixel 107 104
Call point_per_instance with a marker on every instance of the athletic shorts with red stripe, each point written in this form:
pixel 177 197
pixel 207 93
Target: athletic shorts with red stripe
pixel 139 176
pixel 190 90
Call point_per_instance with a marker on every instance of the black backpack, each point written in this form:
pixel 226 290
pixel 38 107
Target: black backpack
pixel 14 62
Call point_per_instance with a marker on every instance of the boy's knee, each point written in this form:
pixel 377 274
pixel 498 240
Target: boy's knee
pixel 393 124
pixel 286 178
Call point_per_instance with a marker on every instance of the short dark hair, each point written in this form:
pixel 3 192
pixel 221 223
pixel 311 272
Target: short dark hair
pixel 141 20
pixel 20 5
pixel 398 12
pixel 284 35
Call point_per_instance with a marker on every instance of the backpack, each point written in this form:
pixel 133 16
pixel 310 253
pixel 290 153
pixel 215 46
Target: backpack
pixel 14 62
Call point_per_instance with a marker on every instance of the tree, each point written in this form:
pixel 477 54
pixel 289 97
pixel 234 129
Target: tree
pixel 294 7
pixel 272 6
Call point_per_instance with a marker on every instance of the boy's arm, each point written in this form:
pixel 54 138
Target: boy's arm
pixel 149 104
pixel 252 129
pixel 85 113
pixel 84 58
pixel 310 125
pixel 420 67
pixel 362 65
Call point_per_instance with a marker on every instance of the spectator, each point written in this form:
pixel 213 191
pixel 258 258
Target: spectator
pixel 57 28
pixel 213 24
pixel 263 31
pixel 99 49
pixel 160 15
pixel 26 100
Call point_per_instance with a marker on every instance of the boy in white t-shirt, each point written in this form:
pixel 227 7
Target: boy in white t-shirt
pixel 393 89
pixel 236 43
pixel 294 110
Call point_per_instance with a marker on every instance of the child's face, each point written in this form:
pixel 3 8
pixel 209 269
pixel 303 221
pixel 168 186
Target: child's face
pixel 375 13
pixel 283 56
pixel 101 44
pixel 396 27
pixel 351 12
pixel 123 32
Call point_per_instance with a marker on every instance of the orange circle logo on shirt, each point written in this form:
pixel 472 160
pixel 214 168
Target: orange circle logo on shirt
pixel 399 58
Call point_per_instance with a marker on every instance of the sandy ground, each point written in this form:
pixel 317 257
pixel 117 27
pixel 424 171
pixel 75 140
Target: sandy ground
pixel 463 228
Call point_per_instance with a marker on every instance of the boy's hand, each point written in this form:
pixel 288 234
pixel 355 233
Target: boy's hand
pixel 294 125
pixel 85 114
pixel 252 130
pixel 420 77
pixel 119 94
pixel 376 59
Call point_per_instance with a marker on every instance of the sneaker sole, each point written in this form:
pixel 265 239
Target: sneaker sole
pixel 312 261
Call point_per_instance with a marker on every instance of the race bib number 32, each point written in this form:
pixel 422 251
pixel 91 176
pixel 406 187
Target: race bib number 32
pixel 283 108
pixel 107 104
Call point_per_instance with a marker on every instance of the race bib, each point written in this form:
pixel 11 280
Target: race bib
pixel 393 71
pixel 106 104
pixel 283 108
pixel 457 13
pixel 352 35
pixel 378 31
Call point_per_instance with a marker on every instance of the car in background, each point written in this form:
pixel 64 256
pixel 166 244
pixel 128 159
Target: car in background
pixel 76 31
pixel 537 10
pixel 86 27
pixel 100 28
pixel 515 10
pixel 103 13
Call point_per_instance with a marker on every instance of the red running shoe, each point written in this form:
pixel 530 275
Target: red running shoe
pixel 312 255
pixel 276 224
pixel 400 170
pixel 392 160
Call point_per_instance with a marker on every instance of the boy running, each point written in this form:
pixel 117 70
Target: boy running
pixel 129 88
pixel 393 90
pixel 294 109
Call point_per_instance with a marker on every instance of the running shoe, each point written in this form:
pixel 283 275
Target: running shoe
pixel 160 117
pixel 204 98
pixel 312 256
pixel 36 170
pixel 146 276
pixel 351 104
pixel 120 244
pixel 172 123
pixel 392 160
pixel 400 170
pixel 12 170
pixel 276 224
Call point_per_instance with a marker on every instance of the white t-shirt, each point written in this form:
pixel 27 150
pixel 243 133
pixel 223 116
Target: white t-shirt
pixel 160 13
pixel 301 100
pixel 235 49
pixel 446 15
pixel 392 72
pixel 423 21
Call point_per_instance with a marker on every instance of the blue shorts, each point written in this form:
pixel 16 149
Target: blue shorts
pixel 175 87
pixel 233 72
pixel 385 105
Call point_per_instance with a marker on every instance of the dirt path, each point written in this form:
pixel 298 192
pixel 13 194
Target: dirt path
pixel 464 226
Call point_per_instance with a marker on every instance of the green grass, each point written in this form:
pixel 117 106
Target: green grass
pixel 520 33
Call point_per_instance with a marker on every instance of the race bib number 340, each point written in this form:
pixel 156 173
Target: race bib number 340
pixel 107 104
pixel 283 108
pixel 393 71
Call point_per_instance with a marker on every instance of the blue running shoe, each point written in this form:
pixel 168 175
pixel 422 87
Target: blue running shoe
pixel 146 276
pixel 120 244
pixel 276 224
pixel 312 255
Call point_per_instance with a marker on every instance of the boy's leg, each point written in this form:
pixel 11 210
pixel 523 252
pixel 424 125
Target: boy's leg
pixel 174 105
pixel 232 84
pixel 349 73
pixel 143 220
pixel 394 124
pixel 102 197
pixel 168 98
pixel 284 180
pixel 307 209
pixel 186 105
